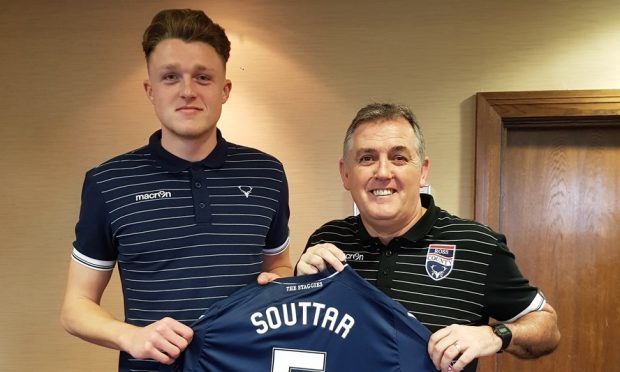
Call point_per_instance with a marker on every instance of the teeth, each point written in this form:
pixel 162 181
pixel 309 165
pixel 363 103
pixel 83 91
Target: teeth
pixel 382 192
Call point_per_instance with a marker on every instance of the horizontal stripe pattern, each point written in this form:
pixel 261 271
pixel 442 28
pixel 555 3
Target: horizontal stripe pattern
pixel 457 298
pixel 182 239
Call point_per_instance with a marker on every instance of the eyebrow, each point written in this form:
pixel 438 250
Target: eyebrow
pixel 365 150
pixel 174 66
pixel 400 148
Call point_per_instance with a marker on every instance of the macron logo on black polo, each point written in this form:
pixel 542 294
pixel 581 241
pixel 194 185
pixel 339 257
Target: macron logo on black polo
pixel 154 195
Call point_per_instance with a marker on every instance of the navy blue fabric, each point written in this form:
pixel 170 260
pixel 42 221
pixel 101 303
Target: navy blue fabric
pixel 349 325
pixel 184 235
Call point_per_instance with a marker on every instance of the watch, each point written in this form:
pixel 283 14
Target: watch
pixel 503 333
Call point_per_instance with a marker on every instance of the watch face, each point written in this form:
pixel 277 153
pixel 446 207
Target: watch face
pixel 502 331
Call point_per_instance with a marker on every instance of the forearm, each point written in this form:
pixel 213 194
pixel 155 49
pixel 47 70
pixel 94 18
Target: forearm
pixel 82 316
pixel 81 313
pixel 162 341
pixel 87 320
pixel 282 271
pixel 279 264
pixel 535 334
pixel 274 267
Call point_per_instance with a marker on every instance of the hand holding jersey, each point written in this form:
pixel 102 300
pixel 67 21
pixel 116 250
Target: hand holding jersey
pixel 451 273
pixel 163 340
pixel 451 348
pixel 183 224
pixel 320 257
pixel 455 346
pixel 330 321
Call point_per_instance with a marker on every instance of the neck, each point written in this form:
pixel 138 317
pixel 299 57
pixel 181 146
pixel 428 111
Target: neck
pixel 386 232
pixel 189 148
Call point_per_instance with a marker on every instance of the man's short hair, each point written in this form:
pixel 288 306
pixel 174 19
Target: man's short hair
pixel 188 25
pixel 375 112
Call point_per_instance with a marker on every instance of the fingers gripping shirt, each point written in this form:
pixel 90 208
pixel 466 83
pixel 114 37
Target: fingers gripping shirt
pixel 182 234
pixel 325 322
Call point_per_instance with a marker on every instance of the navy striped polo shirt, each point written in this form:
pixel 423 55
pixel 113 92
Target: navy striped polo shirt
pixel 184 234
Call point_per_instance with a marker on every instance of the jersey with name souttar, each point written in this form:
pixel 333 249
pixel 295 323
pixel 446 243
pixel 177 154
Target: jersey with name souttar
pixel 325 322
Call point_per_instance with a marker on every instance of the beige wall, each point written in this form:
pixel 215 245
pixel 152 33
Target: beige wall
pixel 72 97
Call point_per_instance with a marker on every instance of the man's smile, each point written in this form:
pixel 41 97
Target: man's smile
pixel 188 109
pixel 382 192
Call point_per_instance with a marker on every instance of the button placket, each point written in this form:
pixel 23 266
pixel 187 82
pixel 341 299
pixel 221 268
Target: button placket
pixel 387 265
pixel 200 195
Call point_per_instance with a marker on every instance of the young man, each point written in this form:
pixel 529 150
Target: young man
pixel 189 218
pixel 452 274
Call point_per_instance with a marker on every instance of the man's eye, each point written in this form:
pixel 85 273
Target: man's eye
pixel 365 159
pixel 399 159
pixel 203 78
pixel 169 77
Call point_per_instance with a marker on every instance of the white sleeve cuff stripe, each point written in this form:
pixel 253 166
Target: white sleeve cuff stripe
pixel 536 305
pixel 91 262
pixel 276 250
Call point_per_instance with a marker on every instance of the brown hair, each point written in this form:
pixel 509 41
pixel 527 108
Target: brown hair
pixel 188 25
pixel 384 111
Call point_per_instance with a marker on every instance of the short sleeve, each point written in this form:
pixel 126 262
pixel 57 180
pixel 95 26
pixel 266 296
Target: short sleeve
pixel 93 245
pixel 508 293
pixel 277 239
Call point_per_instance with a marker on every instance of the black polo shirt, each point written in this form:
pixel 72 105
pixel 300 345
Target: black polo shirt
pixel 445 270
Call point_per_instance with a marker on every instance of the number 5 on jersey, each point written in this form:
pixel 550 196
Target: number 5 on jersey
pixel 285 359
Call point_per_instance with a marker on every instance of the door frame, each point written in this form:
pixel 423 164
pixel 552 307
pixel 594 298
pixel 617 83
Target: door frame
pixel 499 112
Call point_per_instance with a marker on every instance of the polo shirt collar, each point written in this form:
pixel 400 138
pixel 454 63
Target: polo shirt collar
pixel 417 231
pixel 425 224
pixel 174 164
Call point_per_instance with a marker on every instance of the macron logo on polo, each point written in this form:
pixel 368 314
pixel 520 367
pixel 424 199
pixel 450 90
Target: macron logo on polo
pixel 154 195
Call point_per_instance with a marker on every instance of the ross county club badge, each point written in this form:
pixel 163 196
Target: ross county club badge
pixel 439 260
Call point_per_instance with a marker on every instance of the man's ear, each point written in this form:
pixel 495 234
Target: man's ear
pixel 148 89
pixel 344 174
pixel 226 90
pixel 424 172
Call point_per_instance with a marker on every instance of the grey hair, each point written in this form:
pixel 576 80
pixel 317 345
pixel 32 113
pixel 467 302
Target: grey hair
pixel 384 111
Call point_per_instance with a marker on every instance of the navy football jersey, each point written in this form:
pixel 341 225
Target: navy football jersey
pixel 325 322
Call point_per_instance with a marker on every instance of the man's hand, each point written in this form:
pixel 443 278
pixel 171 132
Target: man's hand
pixel 318 257
pixel 454 347
pixel 266 277
pixel 162 341
pixel 274 267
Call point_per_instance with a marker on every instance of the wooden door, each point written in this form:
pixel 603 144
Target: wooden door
pixel 548 176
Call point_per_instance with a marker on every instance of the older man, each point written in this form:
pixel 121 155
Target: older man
pixel 452 274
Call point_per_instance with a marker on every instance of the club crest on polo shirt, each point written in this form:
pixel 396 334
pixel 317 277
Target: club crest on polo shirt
pixel 246 190
pixel 440 260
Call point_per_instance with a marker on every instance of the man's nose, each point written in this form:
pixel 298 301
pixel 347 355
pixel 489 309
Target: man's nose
pixel 384 169
pixel 187 89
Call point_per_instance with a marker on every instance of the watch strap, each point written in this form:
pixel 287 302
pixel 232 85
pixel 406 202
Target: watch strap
pixel 503 333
